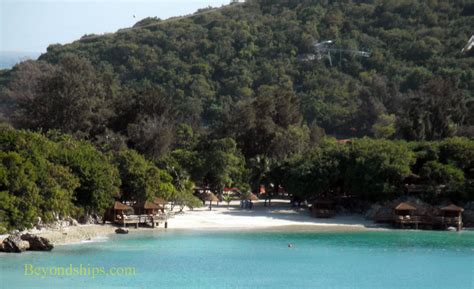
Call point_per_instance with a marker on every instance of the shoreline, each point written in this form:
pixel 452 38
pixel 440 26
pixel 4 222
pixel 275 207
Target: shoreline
pixel 279 217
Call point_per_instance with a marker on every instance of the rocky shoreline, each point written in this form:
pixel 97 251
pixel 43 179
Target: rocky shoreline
pixel 20 243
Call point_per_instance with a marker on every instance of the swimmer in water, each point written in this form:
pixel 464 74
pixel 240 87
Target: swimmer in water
pixel 290 245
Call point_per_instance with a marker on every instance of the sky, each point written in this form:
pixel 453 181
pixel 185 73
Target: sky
pixel 32 25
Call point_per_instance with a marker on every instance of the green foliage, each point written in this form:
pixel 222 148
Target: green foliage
pixel 99 179
pixel 448 176
pixel 235 73
pixel 384 127
pixel 376 168
pixel 141 179
pixel 220 98
pixel 32 184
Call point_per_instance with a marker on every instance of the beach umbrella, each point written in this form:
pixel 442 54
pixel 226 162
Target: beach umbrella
pixel 209 197
pixel 160 201
pixel 249 197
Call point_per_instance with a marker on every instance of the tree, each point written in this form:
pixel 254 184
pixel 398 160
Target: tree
pixel 72 97
pixel 222 164
pixel 376 168
pixel 433 112
pixel 141 179
pixel 384 127
pixel 99 179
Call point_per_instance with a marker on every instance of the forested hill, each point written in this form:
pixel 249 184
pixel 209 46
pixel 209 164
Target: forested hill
pixel 238 72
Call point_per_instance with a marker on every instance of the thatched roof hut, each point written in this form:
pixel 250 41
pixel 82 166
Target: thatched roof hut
pixel 209 197
pixel 405 207
pixel 146 207
pixel 121 207
pixel 249 197
pixel 452 208
pixel 452 211
pixel 160 201
pixel 116 212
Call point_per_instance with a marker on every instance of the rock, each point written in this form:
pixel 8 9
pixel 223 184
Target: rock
pixel 87 219
pixel 14 244
pixel 121 231
pixel 452 229
pixel 71 221
pixel 14 232
pixel 37 243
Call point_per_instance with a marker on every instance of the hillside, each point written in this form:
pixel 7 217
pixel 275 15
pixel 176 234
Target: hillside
pixel 236 72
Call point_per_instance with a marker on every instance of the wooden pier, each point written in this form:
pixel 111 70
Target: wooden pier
pixel 136 220
pixel 407 216
pixel 145 214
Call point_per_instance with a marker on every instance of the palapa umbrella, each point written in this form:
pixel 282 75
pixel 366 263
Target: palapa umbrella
pixel 160 201
pixel 209 197
pixel 249 197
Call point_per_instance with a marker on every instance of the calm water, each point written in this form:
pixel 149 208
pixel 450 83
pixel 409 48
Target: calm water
pixel 199 259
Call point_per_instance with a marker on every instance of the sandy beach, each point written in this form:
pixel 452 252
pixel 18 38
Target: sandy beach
pixel 280 216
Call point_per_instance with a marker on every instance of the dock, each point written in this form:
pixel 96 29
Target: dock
pixel 150 220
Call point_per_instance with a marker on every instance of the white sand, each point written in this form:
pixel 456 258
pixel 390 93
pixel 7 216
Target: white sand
pixel 280 216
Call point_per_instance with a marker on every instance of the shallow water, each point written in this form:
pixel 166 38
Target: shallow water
pixel 206 259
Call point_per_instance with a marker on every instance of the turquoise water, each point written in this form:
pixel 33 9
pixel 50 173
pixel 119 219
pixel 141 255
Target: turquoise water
pixel 203 259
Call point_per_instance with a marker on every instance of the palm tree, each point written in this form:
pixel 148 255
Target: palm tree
pixel 227 198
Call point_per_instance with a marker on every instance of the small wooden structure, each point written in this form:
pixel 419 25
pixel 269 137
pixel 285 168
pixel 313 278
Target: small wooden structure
pixel 146 208
pixel 322 209
pixel 451 216
pixel 146 213
pixel 405 214
pixel 161 203
pixel 117 212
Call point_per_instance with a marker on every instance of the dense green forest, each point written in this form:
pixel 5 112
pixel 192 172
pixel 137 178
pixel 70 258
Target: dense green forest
pixel 224 98
pixel 53 176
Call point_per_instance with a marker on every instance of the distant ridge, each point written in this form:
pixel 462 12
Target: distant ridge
pixel 8 59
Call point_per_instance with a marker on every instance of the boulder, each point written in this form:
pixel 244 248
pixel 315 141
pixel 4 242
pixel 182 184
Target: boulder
pixel 121 231
pixel 37 243
pixel 87 219
pixel 14 244
pixel 71 221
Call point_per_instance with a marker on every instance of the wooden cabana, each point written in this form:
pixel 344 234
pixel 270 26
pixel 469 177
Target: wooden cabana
pixel 146 208
pixel 322 208
pixel 404 209
pixel 452 216
pixel 405 214
pixel 117 212
pixel 161 203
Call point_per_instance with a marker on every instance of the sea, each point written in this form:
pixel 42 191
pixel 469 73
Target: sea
pixel 251 259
